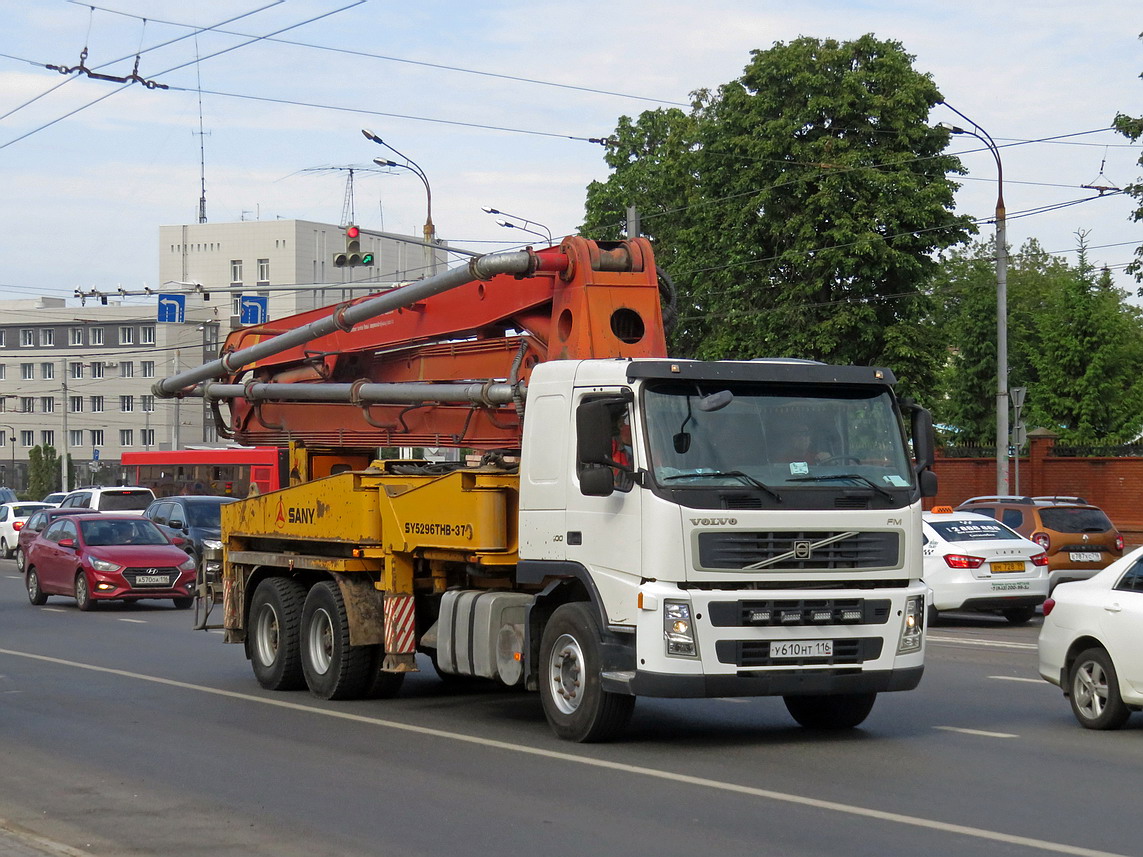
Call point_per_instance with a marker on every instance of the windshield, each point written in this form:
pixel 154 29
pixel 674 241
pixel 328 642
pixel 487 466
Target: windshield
pixel 112 531
pixel 822 436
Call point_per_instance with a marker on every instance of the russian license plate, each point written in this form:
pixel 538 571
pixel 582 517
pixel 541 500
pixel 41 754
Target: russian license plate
pixel 1007 566
pixel 152 580
pixel 1085 556
pixel 802 649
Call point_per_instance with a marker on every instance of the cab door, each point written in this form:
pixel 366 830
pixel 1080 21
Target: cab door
pixel 604 532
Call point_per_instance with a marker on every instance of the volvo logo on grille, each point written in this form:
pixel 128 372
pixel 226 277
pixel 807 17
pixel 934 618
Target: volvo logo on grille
pixel 803 549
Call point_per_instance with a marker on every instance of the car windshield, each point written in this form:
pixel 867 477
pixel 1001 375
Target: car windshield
pixel 1075 520
pixel 822 436
pixel 206 513
pixel 24 511
pixel 125 501
pixel 972 531
pixel 124 532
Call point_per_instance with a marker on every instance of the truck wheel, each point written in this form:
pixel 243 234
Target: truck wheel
pixel 575 703
pixel 272 633
pixel 333 668
pixel 35 594
pixel 843 711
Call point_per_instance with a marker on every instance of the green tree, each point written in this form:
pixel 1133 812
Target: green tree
pixel 798 207
pixel 1091 343
pixel 1073 343
pixel 1131 127
pixel 43 470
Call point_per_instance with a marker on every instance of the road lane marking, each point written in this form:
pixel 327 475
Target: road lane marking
pixel 968 641
pixel 1018 678
pixel 135 621
pixel 637 770
pixel 978 732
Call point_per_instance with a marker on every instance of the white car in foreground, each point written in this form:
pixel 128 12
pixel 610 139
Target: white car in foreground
pixel 1091 644
pixel 974 562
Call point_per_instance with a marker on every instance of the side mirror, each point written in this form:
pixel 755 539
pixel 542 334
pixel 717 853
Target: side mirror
pixel 596 480
pixel 178 541
pixel 175 524
pixel 924 448
pixel 67 543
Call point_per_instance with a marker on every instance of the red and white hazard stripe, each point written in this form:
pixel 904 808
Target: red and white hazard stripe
pixel 400 624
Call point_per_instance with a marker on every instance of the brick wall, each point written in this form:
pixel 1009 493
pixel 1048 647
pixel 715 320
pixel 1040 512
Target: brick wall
pixel 1113 484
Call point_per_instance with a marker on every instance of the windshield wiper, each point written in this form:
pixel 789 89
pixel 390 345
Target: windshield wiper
pixel 733 474
pixel 856 477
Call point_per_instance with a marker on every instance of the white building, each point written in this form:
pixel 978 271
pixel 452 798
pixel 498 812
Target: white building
pixel 291 262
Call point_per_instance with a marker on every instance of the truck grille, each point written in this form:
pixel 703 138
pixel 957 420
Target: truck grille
pixel 799 551
pixel 756 653
pixel 792 612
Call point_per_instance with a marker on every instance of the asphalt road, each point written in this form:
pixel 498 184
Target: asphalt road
pixel 123 732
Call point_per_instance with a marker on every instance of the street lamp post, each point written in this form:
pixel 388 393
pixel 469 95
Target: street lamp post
pixel 415 168
pixel 507 224
pixel 1001 302
pixel 12 437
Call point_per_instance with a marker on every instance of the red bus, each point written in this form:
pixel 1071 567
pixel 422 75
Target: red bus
pixel 230 471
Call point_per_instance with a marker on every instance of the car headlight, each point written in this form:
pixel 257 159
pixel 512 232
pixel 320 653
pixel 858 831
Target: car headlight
pixel 678 628
pixel 188 564
pixel 104 565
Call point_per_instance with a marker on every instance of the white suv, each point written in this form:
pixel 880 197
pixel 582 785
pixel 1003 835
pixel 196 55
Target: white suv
pixel 121 498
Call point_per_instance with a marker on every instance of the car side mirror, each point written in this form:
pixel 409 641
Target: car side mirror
pixel 178 541
pixel 67 543
pixel 175 524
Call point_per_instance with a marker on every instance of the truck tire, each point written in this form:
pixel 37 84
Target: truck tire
pixel 273 631
pixel 836 712
pixel 333 668
pixel 575 703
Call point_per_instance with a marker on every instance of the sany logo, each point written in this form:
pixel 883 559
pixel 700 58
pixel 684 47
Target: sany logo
pixel 280 521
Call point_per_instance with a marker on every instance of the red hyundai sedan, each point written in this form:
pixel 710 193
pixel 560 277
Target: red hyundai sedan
pixel 98 557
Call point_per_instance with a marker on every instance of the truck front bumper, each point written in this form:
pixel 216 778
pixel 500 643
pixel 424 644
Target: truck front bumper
pixel 786 683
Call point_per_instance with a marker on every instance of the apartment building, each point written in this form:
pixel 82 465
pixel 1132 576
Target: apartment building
pixel 78 378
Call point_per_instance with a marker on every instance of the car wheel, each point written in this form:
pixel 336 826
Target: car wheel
pixel 83 599
pixel 4 547
pixel 183 603
pixel 828 713
pixel 571 691
pixel 1094 691
pixel 272 631
pixel 1018 615
pixel 21 560
pixel 931 615
pixel 35 594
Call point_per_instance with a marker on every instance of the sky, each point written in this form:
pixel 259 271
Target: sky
pixel 496 102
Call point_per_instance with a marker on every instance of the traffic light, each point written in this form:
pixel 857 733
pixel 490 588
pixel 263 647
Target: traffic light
pixel 352 257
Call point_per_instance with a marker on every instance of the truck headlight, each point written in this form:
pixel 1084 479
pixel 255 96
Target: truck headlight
pixel 912 627
pixel 678 629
